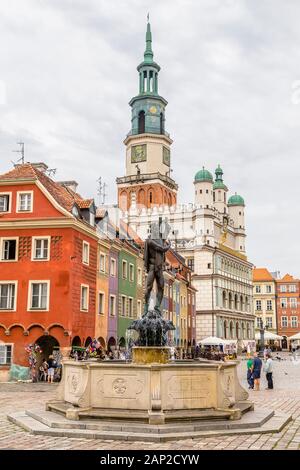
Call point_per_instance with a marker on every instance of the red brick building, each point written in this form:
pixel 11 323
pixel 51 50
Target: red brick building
pixel 288 307
pixel 48 259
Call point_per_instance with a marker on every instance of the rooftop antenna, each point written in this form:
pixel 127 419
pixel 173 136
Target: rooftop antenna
pixel 22 152
pixel 51 172
pixel 101 191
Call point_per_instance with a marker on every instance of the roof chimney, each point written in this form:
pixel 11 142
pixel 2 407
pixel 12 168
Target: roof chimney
pixel 41 166
pixel 72 184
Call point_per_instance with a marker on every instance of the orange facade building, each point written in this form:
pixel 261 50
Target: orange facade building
pixel 288 307
pixel 48 261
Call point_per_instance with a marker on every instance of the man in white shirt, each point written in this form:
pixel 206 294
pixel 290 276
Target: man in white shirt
pixel 269 371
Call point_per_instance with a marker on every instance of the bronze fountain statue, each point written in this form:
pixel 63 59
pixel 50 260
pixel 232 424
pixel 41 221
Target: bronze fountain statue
pixel 152 327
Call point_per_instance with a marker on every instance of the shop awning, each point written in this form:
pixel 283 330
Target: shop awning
pixel 267 335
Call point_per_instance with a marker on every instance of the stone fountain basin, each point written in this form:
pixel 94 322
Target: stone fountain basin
pixel 153 393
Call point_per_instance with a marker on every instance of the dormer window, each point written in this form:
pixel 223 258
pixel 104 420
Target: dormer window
pixel 92 218
pixel 24 201
pixel 75 211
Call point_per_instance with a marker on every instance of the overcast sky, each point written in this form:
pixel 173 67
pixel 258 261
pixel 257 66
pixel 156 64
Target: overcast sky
pixel 230 70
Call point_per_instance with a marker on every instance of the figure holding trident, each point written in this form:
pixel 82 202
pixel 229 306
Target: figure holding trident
pixel 154 258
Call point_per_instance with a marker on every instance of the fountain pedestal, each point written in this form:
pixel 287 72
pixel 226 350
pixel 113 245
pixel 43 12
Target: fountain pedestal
pixel 150 354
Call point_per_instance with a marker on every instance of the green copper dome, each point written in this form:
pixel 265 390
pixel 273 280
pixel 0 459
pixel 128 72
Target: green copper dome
pixel 220 185
pixel 203 175
pixel 236 200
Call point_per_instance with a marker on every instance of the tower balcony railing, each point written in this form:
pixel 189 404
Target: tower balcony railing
pixel 149 130
pixel 146 177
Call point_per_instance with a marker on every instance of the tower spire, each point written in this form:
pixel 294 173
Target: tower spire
pixel 148 54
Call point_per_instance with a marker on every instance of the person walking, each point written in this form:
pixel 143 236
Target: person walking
pixel 50 369
pixel 257 365
pixel 269 372
pixel 250 379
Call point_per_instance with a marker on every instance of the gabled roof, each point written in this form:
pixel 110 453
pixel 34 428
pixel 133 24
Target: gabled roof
pixel 64 196
pixel 262 274
pixel 288 278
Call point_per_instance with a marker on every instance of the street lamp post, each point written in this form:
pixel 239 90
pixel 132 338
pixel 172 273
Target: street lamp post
pixel 262 338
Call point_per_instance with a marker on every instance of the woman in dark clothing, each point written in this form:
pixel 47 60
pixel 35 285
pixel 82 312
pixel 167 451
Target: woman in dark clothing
pixel 257 365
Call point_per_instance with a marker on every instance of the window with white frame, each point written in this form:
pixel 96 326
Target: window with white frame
pixel 5 353
pixel 123 306
pixel 259 322
pixel 40 248
pixel 294 322
pixel 292 288
pixel 130 307
pixel 139 308
pixel 38 295
pixel 113 267
pixel 131 272
pixel 258 304
pixel 85 252
pixel 25 201
pixel 269 305
pixel 9 249
pixel 102 263
pixel 124 269
pixel 293 302
pixel 101 303
pixel 7 295
pixel 5 202
pixel 112 305
pixel 269 322
pixel 84 298
pixel 139 276
pixel 257 289
pixel 268 289
pixel 283 302
pixel 284 322
pixel 283 288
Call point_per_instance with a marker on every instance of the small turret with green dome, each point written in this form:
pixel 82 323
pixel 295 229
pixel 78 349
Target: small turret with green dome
pixel 236 200
pixel 219 184
pixel 203 175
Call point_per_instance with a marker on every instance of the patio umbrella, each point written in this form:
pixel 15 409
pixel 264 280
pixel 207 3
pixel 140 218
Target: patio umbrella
pixel 212 341
pixel 268 335
pixel 296 336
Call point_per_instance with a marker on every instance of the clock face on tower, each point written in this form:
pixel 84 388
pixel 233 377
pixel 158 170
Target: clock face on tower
pixel 153 109
pixel 138 153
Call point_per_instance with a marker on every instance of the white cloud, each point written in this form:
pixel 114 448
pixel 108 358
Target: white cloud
pixel 229 72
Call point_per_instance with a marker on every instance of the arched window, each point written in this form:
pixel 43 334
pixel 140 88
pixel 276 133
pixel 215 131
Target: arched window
pixel 235 302
pixel 225 329
pixel 243 331
pixel 224 302
pixel 141 122
pixel 248 331
pixel 123 201
pixel 237 328
pixel 150 197
pixel 151 82
pixel 231 330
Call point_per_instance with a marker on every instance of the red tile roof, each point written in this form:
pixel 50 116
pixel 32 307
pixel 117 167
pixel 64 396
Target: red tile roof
pixel 288 278
pixel 262 274
pixel 64 196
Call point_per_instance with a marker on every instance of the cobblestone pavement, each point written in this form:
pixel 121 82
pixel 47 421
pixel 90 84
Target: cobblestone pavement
pixel 285 397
